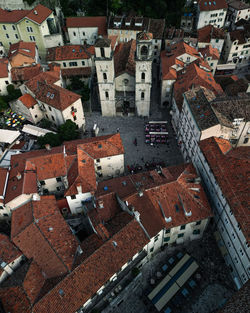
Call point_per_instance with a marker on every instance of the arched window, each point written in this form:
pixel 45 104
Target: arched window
pixel 102 52
pixel 104 76
pixel 144 51
pixel 107 95
pixel 143 76
pixel 142 95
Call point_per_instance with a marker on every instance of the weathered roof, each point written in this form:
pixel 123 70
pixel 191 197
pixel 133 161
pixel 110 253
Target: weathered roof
pixel 25 73
pixel 4 68
pixel 70 52
pixel 102 42
pixel 206 33
pixel 206 5
pixel 231 171
pixel 27 100
pixel 25 48
pixel 88 21
pixel 124 59
pixel 238 5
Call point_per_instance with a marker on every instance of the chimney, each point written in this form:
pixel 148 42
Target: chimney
pixel 79 188
pixel 100 203
pixel 35 12
pixel 18 176
pixel 48 147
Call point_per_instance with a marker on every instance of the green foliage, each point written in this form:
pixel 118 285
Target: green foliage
pixel 85 92
pixel 13 93
pixel 3 104
pixel 76 83
pixel 44 123
pixel 50 138
pixel 30 2
pixel 68 131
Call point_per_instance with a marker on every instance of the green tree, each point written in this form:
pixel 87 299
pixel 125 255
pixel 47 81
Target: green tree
pixel 3 104
pixel 68 131
pixel 51 139
pixel 13 93
pixel 85 92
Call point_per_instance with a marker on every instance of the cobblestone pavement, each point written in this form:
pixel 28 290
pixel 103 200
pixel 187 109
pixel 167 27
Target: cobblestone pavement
pixel 131 128
pixel 214 288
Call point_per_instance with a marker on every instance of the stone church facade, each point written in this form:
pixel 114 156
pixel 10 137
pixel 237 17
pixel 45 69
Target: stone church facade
pixel 124 75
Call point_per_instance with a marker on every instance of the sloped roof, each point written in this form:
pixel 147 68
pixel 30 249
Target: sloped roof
pixel 88 21
pixel 25 48
pixel 239 5
pixel 209 51
pixel 27 100
pixel 241 35
pixel 55 250
pixel 17 15
pixel 70 52
pixel 206 5
pixel 206 33
pixel 25 73
pixel 8 251
pixel 124 61
pixel 231 173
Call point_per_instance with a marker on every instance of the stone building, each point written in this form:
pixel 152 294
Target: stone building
pixel 124 75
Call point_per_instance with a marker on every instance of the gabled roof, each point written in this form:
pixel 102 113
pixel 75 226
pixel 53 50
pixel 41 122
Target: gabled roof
pixel 37 15
pixel 231 171
pixel 241 35
pixel 194 76
pixel 88 22
pixel 25 73
pixel 206 33
pixel 70 52
pixel 25 48
pixel 209 51
pixel 124 59
pixel 27 100
pixel 40 231
pixel 94 271
pixel 8 251
pixel 206 5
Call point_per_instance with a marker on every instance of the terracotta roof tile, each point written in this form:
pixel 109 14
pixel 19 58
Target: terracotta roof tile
pixel 124 61
pixel 50 77
pixel 209 51
pixel 41 233
pixel 25 73
pixel 206 33
pixel 231 173
pixel 4 68
pixel 25 48
pixel 14 300
pixel 43 90
pixel 206 5
pixel 86 279
pixel 88 21
pixel 39 13
pixel 12 16
pixel 8 251
pixel 241 35
pixel 27 100
pixel 70 52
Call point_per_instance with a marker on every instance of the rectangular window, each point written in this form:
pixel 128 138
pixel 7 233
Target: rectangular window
pixel 16 36
pixel 58 188
pixel 107 95
pixel 167 231
pixel 198 223
pixel 7 36
pixel 73 197
pixel 4 27
pixel 152 249
pixel 182 227
pixel 180 235
pixel 196 232
pixel 64 64
pixel 42 182
pixel 83 62
pixel 74 118
pixel 50 109
pixel 58 179
pixel 6 82
pixel 52 117
pixel 99 168
pixel 98 160
pixel 166 239
pixel 72 63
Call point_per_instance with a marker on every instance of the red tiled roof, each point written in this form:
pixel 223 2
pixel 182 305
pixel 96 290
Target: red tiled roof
pixel 80 71
pixel 4 68
pixel 3 176
pixel 50 78
pixel 144 36
pixel 207 5
pixel 206 33
pixel 209 51
pixel 16 15
pixel 15 300
pixel 94 272
pixel 27 100
pixel 39 13
pixel 8 251
pixel 25 73
pixel 43 89
pixel 194 76
pixel 12 16
pixel 40 231
pixel 231 172
pixel 70 52
pixel 88 21
pixel 124 59
pixel 25 48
